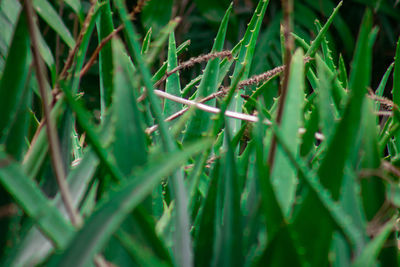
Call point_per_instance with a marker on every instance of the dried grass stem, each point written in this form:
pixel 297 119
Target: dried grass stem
pixel 195 60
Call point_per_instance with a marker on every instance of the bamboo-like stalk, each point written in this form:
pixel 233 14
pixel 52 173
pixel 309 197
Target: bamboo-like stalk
pixel 54 144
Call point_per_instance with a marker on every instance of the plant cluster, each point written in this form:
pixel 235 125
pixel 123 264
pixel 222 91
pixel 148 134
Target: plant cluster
pixel 282 158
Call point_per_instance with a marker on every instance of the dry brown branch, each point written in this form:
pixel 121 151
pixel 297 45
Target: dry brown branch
pixel 389 167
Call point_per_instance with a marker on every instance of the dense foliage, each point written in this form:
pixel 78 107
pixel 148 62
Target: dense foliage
pixel 203 132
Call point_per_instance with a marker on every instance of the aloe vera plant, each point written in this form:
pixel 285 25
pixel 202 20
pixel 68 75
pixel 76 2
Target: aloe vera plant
pixel 121 145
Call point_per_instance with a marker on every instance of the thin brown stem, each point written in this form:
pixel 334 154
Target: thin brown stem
pixel 103 42
pixel 54 144
pixel 389 167
pixel 287 6
pixel 138 8
pixel 73 51
pixel 8 210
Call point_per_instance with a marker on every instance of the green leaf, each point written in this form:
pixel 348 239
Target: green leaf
pixel 283 175
pixel 106 67
pixel 382 85
pixel 326 50
pixel 156 14
pixel 129 147
pixel 396 76
pixel 197 173
pixel 321 35
pixel 228 250
pixel 173 85
pixel 161 71
pixel 212 10
pixel 34 246
pixel 14 141
pixel 246 55
pixel 76 7
pixel 372 187
pixel 47 56
pixel 369 255
pixel 10 9
pixel 14 75
pixel 48 14
pixel 346 130
pixel 311 126
pixel 29 197
pixel 142 255
pixel 279 233
pixel 332 166
pixel 269 41
pixel 331 214
pixel 83 119
pixel 113 209
pixel 208 84
pixel 147 42
pixel 182 244
pixel 340 24
pixel 81 53
pixel 37 152
pixel 327 112
pixel 206 228
pixel 343 72
pixel 140 63
pixel 159 42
